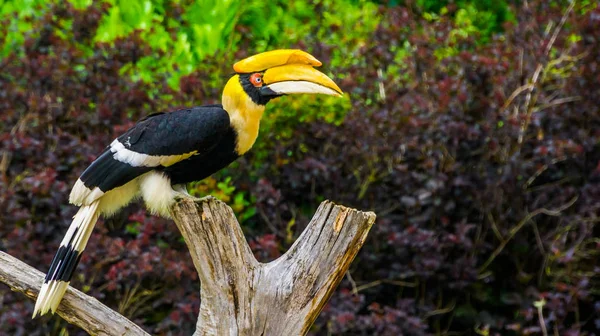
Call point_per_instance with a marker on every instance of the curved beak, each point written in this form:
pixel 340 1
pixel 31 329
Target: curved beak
pixel 297 78
pixel 288 71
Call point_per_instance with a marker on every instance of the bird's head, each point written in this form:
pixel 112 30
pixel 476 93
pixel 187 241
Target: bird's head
pixel 272 74
pixel 265 76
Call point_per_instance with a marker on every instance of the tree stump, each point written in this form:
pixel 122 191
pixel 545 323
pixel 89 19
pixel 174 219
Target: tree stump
pixel 241 296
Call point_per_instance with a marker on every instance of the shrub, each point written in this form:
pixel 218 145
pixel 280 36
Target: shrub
pixel 486 203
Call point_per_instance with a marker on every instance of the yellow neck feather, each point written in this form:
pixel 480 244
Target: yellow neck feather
pixel 244 114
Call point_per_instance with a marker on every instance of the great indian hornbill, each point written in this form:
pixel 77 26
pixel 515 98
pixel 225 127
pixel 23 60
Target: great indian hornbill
pixel 162 152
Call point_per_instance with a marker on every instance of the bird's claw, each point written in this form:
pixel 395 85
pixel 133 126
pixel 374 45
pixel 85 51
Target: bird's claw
pixel 185 196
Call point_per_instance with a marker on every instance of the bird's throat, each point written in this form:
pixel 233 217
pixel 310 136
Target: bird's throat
pixel 244 114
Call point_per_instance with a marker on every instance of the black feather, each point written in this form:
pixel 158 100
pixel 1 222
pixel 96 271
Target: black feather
pixel 70 261
pixel 178 132
pixel 198 129
pixel 108 173
pixel 58 258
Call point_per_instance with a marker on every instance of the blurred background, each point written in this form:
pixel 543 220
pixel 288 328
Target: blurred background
pixel 472 129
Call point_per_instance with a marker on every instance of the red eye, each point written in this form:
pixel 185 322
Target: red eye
pixel 256 80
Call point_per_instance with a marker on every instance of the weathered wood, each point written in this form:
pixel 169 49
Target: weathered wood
pixel 76 308
pixel 240 296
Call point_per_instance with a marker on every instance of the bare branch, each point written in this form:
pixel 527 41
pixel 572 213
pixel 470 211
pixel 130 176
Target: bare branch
pixel 556 102
pixel 376 283
pixel 537 79
pixel 515 94
pixel 550 212
pixel 543 169
pixel 76 308
pixel 559 27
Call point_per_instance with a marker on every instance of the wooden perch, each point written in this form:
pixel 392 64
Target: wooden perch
pixel 76 308
pixel 240 296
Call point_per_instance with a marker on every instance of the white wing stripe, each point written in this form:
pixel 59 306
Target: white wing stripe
pixel 122 154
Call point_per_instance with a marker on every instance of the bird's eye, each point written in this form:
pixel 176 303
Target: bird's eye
pixel 256 80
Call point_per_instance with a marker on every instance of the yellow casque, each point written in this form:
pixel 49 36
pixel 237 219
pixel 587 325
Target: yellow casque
pixel 270 59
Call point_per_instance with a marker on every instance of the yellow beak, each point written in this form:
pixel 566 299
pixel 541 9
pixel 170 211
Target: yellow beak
pixel 288 71
pixel 299 78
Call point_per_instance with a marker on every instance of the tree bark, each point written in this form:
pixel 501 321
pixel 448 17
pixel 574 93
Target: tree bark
pixel 76 308
pixel 241 296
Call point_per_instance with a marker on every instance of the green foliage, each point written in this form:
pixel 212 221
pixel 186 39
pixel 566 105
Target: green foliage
pixel 465 27
pixel 192 37
pixel 206 29
pixel 203 29
pixel 133 228
pixel 472 19
pixel 399 68
pixel 486 15
pixel 585 6
pixel 477 20
pixel 284 115
pixel 280 24
pixel 81 4
pixel 16 16
pixel 273 23
pixel 241 202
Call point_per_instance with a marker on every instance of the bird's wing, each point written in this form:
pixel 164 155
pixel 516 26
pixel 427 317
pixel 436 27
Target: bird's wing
pixel 159 140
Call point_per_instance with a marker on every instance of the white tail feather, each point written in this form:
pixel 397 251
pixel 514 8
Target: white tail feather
pixel 76 238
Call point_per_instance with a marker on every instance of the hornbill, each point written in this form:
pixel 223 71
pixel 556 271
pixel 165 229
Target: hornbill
pixel 156 157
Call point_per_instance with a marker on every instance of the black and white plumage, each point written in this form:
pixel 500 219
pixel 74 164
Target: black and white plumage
pixel 156 147
pixel 162 152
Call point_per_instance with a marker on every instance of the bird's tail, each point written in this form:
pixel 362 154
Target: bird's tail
pixel 66 259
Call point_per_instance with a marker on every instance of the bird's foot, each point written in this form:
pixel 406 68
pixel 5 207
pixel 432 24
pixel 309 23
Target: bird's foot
pixel 182 196
pixel 180 192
